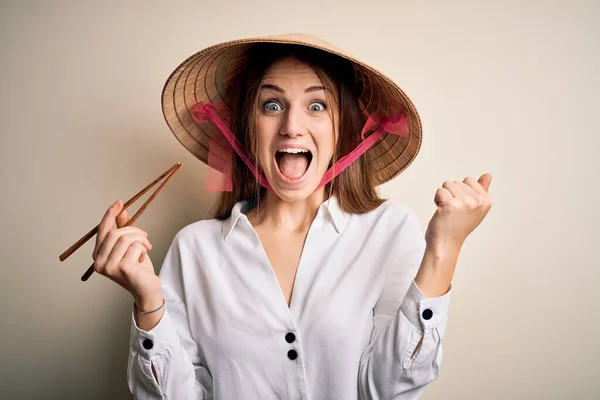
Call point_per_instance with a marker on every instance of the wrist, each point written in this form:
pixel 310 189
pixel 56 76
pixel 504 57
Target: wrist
pixel 147 303
pixel 437 269
pixel 444 249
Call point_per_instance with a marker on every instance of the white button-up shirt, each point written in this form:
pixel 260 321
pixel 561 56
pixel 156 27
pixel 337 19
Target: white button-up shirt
pixel 356 316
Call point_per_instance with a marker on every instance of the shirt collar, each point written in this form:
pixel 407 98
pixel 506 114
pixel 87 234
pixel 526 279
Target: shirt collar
pixel 338 216
pixel 330 210
pixel 237 212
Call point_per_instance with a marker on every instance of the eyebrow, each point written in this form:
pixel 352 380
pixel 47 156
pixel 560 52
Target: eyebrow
pixel 280 90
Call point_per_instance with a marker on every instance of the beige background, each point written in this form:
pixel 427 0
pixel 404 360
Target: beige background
pixel 509 88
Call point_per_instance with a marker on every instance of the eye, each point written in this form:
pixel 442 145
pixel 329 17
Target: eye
pixel 272 106
pixel 317 106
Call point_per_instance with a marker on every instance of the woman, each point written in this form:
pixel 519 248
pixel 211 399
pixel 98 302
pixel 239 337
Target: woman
pixel 306 285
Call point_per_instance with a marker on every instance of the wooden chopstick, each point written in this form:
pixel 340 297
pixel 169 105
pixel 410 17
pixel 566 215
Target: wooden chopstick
pixel 139 213
pixel 171 172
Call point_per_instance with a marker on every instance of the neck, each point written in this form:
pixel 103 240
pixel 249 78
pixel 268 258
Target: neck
pixel 294 216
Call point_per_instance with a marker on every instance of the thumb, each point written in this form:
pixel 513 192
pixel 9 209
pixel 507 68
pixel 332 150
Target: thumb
pixel 122 217
pixel 485 180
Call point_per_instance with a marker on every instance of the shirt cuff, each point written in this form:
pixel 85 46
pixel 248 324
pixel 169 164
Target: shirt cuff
pixel 157 339
pixel 425 312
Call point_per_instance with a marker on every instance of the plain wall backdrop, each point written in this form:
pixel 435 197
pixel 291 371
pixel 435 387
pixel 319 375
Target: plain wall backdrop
pixel 505 87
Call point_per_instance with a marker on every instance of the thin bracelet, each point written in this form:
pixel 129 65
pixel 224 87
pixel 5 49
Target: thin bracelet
pixel 148 312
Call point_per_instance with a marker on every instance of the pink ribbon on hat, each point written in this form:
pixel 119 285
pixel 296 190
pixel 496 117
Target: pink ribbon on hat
pixel 220 152
pixel 394 124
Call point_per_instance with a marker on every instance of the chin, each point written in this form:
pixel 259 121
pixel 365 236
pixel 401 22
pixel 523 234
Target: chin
pixel 292 196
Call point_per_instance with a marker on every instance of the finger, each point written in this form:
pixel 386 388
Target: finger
pixel 476 186
pixel 442 196
pixel 468 190
pixel 120 249
pixel 105 226
pixel 132 258
pixel 110 240
pixel 485 180
pixel 454 189
pixel 123 218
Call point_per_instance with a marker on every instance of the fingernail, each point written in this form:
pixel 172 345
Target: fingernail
pixel 116 203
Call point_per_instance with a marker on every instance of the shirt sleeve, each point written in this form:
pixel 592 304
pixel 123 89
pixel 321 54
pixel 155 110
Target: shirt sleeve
pixel 405 351
pixel 168 347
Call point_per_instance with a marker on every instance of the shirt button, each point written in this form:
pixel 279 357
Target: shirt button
pixel 290 337
pixel 148 344
pixel 427 314
pixel 292 354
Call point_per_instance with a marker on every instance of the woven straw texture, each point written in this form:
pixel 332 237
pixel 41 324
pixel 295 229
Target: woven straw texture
pixel 208 74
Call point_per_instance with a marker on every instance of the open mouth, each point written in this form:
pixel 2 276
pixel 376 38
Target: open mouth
pixel 293 162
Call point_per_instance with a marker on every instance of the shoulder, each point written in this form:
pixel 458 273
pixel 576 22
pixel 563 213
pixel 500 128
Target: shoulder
pixel 393 220
pixel 401 229
pixel 207 233
pixel 396 213
pixel 395 207
pixel 199 231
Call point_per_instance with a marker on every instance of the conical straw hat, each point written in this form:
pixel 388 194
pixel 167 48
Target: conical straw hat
pixel 206 75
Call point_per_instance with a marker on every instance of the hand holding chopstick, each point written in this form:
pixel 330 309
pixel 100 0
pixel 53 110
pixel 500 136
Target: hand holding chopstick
pixel 170 172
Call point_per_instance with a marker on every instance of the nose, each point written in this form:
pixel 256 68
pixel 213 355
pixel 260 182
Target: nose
pixel 293 124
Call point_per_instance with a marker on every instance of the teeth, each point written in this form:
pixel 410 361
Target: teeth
pixel 293 150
